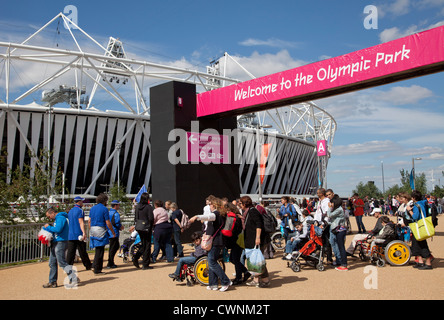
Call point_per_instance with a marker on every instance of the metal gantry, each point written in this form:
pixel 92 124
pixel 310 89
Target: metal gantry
pixel 106 73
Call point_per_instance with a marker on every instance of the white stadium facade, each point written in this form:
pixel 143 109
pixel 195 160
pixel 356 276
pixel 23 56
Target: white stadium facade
pixel 88 105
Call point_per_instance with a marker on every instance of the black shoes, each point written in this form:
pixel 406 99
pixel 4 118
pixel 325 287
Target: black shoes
pixel 173 276
pixel 422 266
pixel 425 267
pixel 50 285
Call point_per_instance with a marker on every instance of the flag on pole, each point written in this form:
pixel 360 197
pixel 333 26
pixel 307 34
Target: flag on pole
pixel 142 190
pixel 412 179
pixel 264 155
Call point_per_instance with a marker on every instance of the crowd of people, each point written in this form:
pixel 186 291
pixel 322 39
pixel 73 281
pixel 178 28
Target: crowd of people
pixel 162 224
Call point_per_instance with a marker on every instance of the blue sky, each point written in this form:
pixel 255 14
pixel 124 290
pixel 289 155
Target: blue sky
pixel 389 124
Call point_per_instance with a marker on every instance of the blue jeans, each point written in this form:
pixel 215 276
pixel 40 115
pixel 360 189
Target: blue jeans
pixel 215 271
pixel 291 245
pixel 176 234
pixel 182 261
pixel 164 243
pixel 236 259
pixel 361 226
pixel 337 242
pixel 57 256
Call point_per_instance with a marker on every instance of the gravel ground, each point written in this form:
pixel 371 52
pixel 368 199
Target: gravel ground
pixel 361 282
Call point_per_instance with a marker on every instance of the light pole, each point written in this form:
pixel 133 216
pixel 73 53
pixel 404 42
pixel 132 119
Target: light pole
pixel 383 184
pixel 413 169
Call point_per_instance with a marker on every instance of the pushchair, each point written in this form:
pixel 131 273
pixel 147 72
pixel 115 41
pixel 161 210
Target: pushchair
pixel 312 252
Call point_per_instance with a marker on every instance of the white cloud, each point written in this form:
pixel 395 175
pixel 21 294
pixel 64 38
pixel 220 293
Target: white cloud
pixel 262 64
pixel 272 42
pixel 396 33
pixel 394 8
pixel 344 171
pixel 436 156
pixel 402 7
pixel 365 147
pixel 405 95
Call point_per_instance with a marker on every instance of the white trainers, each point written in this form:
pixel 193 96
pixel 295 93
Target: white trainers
pixel 288 257
pixel 212 288
pixel 225 288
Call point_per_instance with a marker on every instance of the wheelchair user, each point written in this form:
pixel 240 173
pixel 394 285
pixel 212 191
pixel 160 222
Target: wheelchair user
pixel 384 236
pixel 196 237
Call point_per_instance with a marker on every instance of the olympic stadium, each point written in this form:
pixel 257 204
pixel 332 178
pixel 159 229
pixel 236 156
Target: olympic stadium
pixel 87 102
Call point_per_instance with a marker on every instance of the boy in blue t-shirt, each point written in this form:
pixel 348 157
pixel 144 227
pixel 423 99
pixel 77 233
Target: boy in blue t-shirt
pixel 198 252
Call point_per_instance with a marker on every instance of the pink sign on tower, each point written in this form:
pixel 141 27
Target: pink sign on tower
pixel 321 147
pixel 207 148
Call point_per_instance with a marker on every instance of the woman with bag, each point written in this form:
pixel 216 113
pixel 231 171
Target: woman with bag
pixel 255 237
pixel 162 232
pixel 338 230
pixel 420 249
pixel 144 220
pixel 236 251
pixel 213 238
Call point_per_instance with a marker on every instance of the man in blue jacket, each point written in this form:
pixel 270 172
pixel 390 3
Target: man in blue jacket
pixel 60 232
pixel 98 231
pixel 114 243
pixel 77 234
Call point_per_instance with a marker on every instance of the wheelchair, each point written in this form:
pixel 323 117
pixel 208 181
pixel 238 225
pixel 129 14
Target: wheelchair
pixel 197 272
pixel 128 254
pixel 396 253
pixel 278 241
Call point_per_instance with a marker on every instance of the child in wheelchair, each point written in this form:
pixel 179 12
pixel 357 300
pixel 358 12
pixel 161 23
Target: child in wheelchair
pixel 196 237
pixel 124 251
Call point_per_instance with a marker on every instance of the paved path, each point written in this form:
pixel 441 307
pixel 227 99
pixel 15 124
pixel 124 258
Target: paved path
pixel 126 282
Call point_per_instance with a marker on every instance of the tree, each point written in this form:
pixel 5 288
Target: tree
pixel 438 192
pixel 28 192
pixel 420 181
pixel 117 192
pixel 367 190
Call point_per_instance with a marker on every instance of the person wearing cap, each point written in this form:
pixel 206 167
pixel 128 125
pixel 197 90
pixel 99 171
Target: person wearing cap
pixel 377 213
pixel 114 217
pixel 98 231
pixel 77 234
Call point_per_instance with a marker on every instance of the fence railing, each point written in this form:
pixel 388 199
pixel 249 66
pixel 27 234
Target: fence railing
pixel 19 243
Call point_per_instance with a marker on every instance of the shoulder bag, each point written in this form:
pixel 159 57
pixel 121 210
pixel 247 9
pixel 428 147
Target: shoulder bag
pixel 141 225
pixel 423 228
pixel 207 240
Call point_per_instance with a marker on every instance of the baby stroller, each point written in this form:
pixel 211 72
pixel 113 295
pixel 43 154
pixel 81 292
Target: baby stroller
pixel 312 252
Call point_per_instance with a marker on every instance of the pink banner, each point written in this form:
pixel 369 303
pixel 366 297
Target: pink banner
pixel 398 59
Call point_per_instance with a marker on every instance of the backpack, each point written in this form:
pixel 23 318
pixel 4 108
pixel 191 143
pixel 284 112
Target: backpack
pixel 270 222
pixel 184 221
pixel 433 212
pixel 230 223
